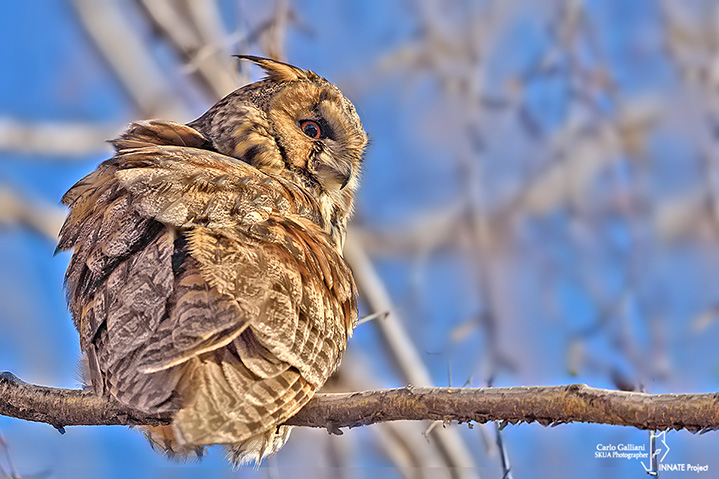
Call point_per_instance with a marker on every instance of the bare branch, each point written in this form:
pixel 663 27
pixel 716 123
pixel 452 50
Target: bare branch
pixel 274 41
pixel 66 407
pixel 188 30
pixel 71 140
pixel 404 353
pixel 119 43
pixel 400 346
pixel 403 442
pixel 543 404
pixel 41 217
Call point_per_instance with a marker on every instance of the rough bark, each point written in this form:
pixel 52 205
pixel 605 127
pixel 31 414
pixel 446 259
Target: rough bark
pixel 547 405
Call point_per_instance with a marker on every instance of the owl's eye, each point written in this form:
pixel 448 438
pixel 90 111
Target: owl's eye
pixel 311 129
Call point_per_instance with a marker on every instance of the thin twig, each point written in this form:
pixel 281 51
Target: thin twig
pixel 6 450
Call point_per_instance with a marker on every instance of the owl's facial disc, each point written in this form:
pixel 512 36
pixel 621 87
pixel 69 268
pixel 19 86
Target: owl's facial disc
pixel 331 173
pixel 319 133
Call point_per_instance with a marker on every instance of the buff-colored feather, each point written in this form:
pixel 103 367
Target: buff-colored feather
pixel 207 278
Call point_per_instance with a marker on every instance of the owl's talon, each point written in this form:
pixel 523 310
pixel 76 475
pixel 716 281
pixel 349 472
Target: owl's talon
pixel 333 429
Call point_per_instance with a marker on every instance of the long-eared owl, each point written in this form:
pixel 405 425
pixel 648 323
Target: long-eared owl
pixel 207 277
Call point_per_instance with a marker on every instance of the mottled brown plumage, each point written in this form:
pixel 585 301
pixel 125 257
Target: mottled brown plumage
pixel 207 277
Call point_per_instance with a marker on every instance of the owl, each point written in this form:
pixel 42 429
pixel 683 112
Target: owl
pixel 207 279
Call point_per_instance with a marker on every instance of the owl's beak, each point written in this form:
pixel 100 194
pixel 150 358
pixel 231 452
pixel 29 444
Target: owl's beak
pixel 332 174
pixel 347 180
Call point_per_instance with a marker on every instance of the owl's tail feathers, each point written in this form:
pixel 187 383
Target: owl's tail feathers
pixel 257 448
pixel 238 408
pixel 162 439
pixel 249 452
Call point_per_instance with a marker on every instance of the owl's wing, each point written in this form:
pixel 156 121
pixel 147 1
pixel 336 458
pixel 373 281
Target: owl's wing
pixel 139 200
pixel 299 328
pixel 198 283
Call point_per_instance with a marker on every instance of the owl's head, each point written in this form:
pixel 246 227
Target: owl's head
pixel 293 124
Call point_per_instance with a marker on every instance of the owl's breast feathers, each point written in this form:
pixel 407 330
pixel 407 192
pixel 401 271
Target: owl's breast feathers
pixel 203 286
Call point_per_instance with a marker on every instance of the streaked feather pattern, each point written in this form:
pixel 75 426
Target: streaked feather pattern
pixel 208 280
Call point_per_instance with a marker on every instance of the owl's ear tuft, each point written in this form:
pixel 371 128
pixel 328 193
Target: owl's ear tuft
pixel 279 71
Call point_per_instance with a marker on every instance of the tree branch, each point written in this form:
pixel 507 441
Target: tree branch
pixel 66 407
pixel 543 404
pixel 39 216
pixel 401 348
pixel 72 141
pixel 117 39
